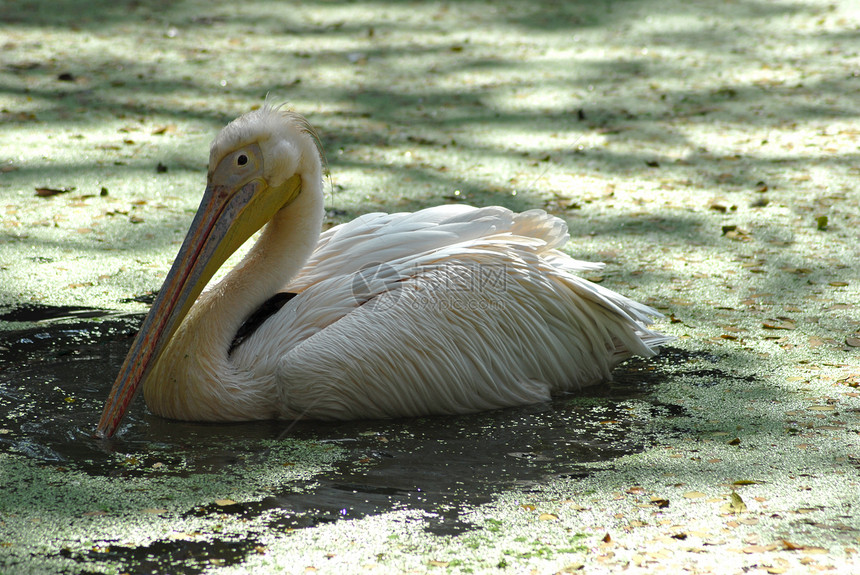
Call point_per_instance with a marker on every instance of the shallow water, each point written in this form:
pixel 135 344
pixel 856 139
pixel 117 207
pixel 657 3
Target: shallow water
pixel 54 378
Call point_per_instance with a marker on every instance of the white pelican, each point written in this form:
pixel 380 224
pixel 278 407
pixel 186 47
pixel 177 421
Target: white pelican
pixel 451 309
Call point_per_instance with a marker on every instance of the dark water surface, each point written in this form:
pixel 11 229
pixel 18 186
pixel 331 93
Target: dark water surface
pixel 55 377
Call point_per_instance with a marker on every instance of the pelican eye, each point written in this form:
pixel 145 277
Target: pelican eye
pixel 242 159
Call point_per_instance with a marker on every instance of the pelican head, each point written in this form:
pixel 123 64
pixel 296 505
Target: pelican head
pixel 256 169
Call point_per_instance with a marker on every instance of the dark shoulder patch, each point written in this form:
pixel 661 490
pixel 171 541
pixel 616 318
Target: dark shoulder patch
pixel 256 319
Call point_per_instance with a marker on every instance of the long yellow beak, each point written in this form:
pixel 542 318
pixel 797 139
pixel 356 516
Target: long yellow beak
pixel 225 219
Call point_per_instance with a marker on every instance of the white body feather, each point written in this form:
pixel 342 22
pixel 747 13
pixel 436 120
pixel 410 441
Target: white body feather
pixel 451 309
pixel 478 311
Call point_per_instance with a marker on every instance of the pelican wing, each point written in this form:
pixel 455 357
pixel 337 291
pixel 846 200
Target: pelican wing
pixel 378 238
pixel 463 310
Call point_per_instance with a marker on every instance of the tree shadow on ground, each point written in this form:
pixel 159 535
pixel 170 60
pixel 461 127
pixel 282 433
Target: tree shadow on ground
pixel 450 98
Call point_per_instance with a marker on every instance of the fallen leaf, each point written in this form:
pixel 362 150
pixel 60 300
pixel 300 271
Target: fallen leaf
pixel 789 546
pixel 736 233
pixel 548 517
pixel 170 128
pixel 721 205
pixel 779 323
pixel 694 494
pixel 434 563
pixel 735 504
pixel 224 502
pixel 852 341
pixel 799 271
pixel 760 548
pixel 48 192
pixel 850 381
